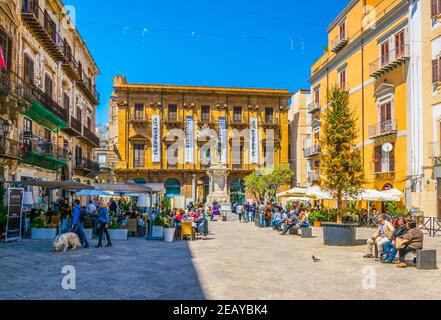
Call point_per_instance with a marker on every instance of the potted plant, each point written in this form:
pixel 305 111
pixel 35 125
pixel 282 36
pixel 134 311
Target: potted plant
pixel 169 231
pixel 341 164
pixel 116 232
pixel 317 217
pixel 158 227
pixel 42 231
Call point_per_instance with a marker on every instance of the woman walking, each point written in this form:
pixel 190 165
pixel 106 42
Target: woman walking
pixel 103 225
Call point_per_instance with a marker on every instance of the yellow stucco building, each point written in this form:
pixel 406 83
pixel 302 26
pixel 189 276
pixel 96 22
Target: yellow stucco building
pixel 376 53
pixel 162 133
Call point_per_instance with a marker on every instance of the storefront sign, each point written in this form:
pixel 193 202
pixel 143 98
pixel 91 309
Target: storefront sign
pixel 189 140
pixel 223 141
pixel 254 141
pixel 156 139
pixel 15 205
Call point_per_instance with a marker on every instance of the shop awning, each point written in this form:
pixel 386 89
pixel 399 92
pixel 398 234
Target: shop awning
pixel 292 193
pixel 43 116
pixel 54 185
pixel 124 188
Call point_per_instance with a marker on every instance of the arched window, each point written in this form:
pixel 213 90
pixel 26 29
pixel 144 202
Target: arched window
pixel 173 187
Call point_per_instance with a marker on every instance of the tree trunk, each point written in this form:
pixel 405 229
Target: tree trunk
pixel 339 207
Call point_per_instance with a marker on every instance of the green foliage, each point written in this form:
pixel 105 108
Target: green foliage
pixel 3 218
pixel 264 185
pixel 341 161
pixel 395 210
pixel 317 216
pixel 159 221
pixel 114 225
pixel 39 223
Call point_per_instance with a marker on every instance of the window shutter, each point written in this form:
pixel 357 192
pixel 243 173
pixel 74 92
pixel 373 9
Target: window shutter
pixel 435 70
pixel 434 8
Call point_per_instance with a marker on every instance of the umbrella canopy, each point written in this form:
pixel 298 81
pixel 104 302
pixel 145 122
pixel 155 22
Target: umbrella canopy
pixel 319 194
pixel 298 199
pixel 124 188
pixel 94 193
pixel 375 195
pixel 393 193
pixel 296 192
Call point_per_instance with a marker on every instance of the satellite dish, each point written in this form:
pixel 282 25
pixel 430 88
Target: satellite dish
pixel 387 147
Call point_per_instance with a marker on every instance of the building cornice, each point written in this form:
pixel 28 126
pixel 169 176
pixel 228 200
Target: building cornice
pixel 342 14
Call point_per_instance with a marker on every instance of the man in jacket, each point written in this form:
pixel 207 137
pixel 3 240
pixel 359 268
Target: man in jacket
pixel 412 241
pixel 103 225
pixel 77 224
pixel 383 234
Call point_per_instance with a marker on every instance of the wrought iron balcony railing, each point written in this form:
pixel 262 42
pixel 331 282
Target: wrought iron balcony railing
pixel 314 107
pixel 339 42
pixel 381 129
pixel 390 61
pixel 89 135
pixel 88 88
pixel 313 151
pixel 5 83
pixel 31 143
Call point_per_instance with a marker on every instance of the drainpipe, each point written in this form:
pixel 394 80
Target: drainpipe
pixel 362 105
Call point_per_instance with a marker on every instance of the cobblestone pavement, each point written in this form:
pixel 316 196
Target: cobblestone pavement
pixel 238 261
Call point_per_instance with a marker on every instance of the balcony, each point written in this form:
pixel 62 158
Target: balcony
pixel 315 121
pixel 315 150
pixel 390 61
pixel 314 107
pixel 339 43
pixel 382 129
pixel 174 121
pixel 9 148
pixel 313 176
pixel 5 83
pixel 435 153
pixel 70 65
pixel 90 138
pixel 88 89
pixel 86 167
pixel 43 28
pixel 37 151
pixel 239 122
pixel 270 122
pixel 43 109
pixel 207 120
pixel 139 120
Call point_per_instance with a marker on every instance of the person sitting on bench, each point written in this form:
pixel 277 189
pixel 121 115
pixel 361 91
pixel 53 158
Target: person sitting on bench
pixel 382 235
pixel 412 241
pixel 296 222
pixel 390 248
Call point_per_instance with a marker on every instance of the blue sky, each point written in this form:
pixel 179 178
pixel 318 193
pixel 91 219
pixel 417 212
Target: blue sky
pixel 239 43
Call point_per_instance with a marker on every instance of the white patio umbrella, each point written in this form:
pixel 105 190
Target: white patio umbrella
pixel 94 193
pixel 393 193
pixel 375 195
pixel 298 199
pixel 318 193
pixel 295 192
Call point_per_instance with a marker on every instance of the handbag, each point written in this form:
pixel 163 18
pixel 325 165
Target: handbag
pixel 400 243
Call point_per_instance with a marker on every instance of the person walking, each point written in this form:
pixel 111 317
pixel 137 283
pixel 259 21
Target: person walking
pixel 239 212
pixel 77 226
pixel 65 212
pixel 93 215
pixel 103 225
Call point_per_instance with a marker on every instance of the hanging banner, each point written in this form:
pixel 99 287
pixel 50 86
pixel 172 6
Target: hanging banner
pixel 156 139
pixel 15 211
pixel 223 141
pixel 189 140
pixel 254 141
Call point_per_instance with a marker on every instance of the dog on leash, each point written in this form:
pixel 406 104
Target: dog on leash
pixel 65 241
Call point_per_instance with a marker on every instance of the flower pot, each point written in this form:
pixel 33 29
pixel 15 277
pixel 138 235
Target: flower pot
pixel 339 234
pixel 89 234
pixel 118 234
pixel 43 234
pixel 169 234
pixel 157 232
pixel 317 224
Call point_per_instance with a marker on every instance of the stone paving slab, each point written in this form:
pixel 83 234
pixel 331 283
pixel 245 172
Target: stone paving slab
pixel 239 261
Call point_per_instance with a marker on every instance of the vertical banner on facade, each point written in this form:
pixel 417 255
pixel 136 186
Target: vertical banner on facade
pixel 223 141
pixel 254 141
pixel 15 210
pixel 189 140
pixel 156 139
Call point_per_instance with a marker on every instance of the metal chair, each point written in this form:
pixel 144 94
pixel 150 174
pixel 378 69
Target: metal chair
pixel 132 226
pixel 187 230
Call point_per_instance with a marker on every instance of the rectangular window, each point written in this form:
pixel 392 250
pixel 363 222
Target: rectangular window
pixel 66 101
pixel 384 161
pixel 436 70
pixel 102 159
pixel 342 31
pixel 28 69
pixel 6 45
pixel 317 95
pixel 385 53
pixel 89 123
pixel 205 113
pixel 78 156
pixel 436 8
pixel 386 113
pixel 342 79
pixel 27 126
pixel 79 115
pixel 173 112
pixel 139 112
pixel 138 155
pixel 237 116
pixel 400 49
pixel 269 115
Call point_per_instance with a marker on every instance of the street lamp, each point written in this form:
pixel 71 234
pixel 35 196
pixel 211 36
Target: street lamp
pixel 6 128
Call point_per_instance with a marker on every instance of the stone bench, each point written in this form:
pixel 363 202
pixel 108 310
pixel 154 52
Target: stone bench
pixel 305 233
pixel 426 260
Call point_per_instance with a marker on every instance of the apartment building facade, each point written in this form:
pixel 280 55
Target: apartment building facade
pixel 48 95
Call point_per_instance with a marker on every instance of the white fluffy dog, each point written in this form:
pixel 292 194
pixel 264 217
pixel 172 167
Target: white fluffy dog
pixel 66 240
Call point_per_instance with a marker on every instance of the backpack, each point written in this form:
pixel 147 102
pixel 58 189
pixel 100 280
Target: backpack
pixel 83 215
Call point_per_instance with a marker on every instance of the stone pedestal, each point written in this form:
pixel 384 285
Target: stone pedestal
pixel 218 175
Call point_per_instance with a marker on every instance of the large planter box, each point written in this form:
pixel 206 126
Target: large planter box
pixel 342 235
pixel 118 234
pixel 43 234
pixel 157 232
pixel 89 234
